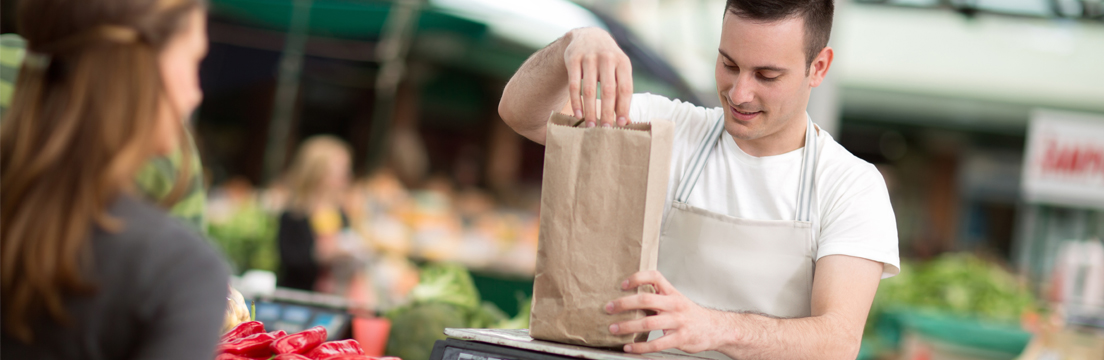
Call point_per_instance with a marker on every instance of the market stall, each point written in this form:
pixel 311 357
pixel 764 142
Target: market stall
pixel 447 247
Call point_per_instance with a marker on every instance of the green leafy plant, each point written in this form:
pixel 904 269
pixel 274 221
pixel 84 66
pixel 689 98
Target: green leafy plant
pixel 958 284
pixel 247 238
pixel 445 297
pixel 446 283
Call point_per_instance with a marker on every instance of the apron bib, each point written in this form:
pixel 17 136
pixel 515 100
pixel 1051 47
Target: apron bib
pixel 734 264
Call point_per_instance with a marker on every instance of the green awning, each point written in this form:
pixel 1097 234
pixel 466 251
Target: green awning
pixel 350 19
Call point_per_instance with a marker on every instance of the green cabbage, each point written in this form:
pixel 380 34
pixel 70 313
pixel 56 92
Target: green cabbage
pixel 446 283
pixel 414 328
pixel 247 238
pixel 445 297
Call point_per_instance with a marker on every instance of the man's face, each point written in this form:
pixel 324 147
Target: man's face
pixel 761 75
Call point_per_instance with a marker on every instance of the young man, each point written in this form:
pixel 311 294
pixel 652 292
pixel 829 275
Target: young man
pixel 759 197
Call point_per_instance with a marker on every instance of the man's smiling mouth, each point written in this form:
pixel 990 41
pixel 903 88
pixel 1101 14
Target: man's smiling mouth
pixel 743 115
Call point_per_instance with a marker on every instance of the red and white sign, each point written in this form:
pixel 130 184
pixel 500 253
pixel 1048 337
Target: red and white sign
pixel 1064 159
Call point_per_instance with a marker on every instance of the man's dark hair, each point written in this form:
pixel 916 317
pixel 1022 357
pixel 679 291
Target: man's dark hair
pixel 817 15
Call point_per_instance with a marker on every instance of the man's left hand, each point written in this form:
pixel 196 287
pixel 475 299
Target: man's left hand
pixel 686 326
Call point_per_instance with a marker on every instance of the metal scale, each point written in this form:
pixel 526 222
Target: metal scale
pixel 499 344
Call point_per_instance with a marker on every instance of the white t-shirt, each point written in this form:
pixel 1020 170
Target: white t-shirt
pixel 853 215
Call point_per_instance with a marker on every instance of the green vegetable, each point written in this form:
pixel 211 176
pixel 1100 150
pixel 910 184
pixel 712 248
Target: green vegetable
pixel 958 284
pixel 485 316
pixel 414 328
pixel 446 283
pixel 445 297
pixel 247 238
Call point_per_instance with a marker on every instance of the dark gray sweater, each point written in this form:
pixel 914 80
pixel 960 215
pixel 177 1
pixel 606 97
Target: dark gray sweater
pixel 161 294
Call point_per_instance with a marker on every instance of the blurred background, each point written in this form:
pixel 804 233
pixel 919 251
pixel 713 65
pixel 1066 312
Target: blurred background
pixel 985 117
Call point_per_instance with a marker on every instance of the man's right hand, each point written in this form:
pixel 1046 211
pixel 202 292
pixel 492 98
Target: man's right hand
pixel 593 57
pixel 564 77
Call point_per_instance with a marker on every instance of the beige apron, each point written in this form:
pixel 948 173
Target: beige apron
pixel 734 264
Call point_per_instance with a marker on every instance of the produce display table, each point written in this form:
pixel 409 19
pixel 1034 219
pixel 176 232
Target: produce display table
pixel 498 344
pixel 925 334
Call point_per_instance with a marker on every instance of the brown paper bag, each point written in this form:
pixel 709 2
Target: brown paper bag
pixel 601 208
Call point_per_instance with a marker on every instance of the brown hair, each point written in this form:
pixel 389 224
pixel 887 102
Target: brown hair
pixel 816 13
pixel 83 120
pixel 311 164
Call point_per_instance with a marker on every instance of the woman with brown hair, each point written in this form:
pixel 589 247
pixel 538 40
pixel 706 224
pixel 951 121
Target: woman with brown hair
pixel 88 270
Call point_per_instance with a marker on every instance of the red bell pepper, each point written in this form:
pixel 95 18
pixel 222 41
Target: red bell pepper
pixel 242 330
pixel 253 346
pixel 225 356
pixel 278 334
pixel 360 357
pixel 351 357
pixel 329 349
pixel 300 342
pixel 290 357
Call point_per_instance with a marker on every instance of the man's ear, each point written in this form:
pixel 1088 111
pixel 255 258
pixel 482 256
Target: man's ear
pixel 819 68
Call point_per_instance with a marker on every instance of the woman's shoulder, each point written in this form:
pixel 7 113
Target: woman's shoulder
pixel 154 238
pixel 143 220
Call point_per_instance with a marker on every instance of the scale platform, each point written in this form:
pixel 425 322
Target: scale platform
pixel 500 344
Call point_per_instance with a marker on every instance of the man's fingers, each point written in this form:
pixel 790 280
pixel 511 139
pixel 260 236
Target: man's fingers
pixel 608 77
pixel 651 277
pixel 574 78
pixel 590 89
pixel 624 92
pixel 665 342
pixel 658 303
pixel 648 323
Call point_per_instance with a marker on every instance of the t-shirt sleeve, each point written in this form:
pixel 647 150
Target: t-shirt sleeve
pixel 183 302
pixel 857 219
pixel 646 107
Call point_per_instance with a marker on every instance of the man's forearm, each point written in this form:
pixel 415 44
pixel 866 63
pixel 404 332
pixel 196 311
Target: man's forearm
pixel 536 89
pixel 751 336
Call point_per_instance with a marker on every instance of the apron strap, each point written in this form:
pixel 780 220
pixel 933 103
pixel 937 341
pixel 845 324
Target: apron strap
pixel 697 162
pixel 808 173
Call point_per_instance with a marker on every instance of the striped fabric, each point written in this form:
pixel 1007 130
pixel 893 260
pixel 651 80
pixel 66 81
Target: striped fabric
pixel 155 180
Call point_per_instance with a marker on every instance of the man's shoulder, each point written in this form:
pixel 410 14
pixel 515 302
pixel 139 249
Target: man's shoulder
pixel 839 169
pixel 651 106
pixel 856 216
pixel 691 121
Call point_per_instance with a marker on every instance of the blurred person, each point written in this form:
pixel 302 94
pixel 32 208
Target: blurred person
pixel 759 197
pixel 89 270
pixel 319 251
